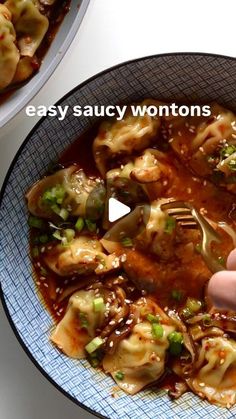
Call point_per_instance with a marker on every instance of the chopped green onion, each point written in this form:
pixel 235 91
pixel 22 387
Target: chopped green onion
pixel 69 234
pixel 91 226
pixel 43 271
pixel 57 235
pixel 54 195
pixel 176 337
pixel 221 260
pixel 98 304
pixel 152 319
pixel 43 238
pixel 232 164
pixel 157 331
pixel 35 222
pixel 127 242
pixel 79 225
pixel 198 248
pixel 177 295
pixel 83 320
pixel 170 225
pixel 186 313
pixel 193 305
pixel 207 320
pixel 64 214
pixel 176 343
pixel 94 345
pixel 55 208
pixel 227 151
pixel 119 375
pixel 94 362
pixel 35 252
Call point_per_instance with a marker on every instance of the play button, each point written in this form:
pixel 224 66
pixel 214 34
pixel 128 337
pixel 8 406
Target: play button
pixel 116 210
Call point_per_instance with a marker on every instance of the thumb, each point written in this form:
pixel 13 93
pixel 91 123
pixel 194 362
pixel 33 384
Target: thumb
pixel 222 290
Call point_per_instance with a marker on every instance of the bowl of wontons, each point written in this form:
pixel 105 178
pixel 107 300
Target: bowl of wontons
pixel 34 36
pixel 117 317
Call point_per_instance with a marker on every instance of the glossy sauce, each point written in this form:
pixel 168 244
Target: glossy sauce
pixel 202 194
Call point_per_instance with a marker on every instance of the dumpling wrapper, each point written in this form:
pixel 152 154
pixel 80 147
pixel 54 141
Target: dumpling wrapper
pixel 30 25
pixel 214 375
pixel 82 255
pixel 9 54
pixel 139 357
pixel 132 133
pixel 68 335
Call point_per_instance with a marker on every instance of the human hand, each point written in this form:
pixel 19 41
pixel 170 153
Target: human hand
pixel 222 285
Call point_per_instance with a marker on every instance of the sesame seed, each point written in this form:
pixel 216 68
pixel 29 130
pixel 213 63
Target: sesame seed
pixel 129 321
pixel 171 139
pixel 189 190
pixel 45 285
pixel 202 384
pixel 117 332
pixel 42 249
pixel 179 133
pixel 112 322
pixel 222 361
pixel 123 258
pixel 111 344
pixel 42 278
pixel 57 290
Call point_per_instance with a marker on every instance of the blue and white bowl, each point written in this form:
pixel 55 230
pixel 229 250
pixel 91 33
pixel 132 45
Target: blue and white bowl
pixel 175 77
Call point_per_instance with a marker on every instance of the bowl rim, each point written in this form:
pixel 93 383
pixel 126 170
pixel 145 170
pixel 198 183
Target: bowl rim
pixel 11 167
pixel 49 70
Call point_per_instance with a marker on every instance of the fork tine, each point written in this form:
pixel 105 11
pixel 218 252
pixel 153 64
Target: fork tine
pixel 189 225
pixel 178 211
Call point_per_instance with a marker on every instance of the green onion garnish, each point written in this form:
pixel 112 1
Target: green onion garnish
pixel 35 222
pixel 170 225
pixel 98 304
pixel 91 226
pixel 221 260
pixel 43 238
pixel 198 248
pixel 94 362
pixel 35 252
pixel 157 331
pixel 43 271
pixel 227 151
pixel 176 341
pixel 207 320
pixel 119 375
pixel 127 242
pixel 54 195
pixel 177 295
pixel 69 234
pixel 57 235
pixel 193 305
pixel 232 164
pixel 152 319
pixel 94 345
pixel 79 225
pixel 83 320
pixel 186 313
pixel 64 214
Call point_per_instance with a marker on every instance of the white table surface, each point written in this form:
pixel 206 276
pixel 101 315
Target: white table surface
pixel 112 31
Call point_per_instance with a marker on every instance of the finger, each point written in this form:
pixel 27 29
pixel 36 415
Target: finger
pixel 222 290
pixel 231 261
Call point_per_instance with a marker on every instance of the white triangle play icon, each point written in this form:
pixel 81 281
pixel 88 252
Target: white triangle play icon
pixel 116 209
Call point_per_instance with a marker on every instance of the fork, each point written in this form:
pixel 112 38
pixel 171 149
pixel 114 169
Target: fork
pixel 188 217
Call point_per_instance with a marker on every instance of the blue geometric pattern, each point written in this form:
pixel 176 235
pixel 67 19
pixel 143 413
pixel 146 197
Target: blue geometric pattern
pixel 177 77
